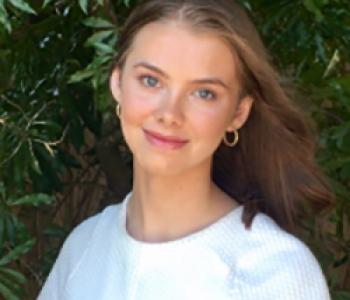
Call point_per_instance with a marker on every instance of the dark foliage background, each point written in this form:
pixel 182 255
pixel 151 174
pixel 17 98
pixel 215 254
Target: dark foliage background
pixel 62 157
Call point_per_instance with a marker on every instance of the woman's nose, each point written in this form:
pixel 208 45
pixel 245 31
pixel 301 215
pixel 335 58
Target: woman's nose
pixel 170 110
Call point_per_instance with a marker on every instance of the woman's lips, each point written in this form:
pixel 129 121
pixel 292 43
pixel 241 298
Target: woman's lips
pixel 166 142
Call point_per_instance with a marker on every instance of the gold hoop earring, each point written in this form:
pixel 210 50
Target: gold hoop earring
pixel 235 140
pixel 117 109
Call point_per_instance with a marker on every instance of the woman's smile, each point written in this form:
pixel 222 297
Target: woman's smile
pixel 164 141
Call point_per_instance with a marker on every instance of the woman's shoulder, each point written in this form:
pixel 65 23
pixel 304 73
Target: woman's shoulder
pixel 267 240
pixel 88 233
pixel 266 233
pixel 83 237
pixel 87 229
pixel 278 263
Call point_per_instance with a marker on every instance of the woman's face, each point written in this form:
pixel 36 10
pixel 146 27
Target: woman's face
pixel 178 92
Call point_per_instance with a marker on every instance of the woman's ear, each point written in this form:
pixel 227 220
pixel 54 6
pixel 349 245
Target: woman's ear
pixel 115 84
pixel 241 114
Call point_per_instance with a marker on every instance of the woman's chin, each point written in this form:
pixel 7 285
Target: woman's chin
pixel 156 168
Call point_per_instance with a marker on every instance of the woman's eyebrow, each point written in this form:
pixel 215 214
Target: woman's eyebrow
pixel 210 80
pixel 150 67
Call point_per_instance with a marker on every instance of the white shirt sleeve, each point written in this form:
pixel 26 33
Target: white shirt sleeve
pixel 68 260
pixel 288 273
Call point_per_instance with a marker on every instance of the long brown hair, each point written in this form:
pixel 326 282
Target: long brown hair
pixel 272 169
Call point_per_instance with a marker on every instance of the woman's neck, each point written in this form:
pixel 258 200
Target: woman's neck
pixel 164 208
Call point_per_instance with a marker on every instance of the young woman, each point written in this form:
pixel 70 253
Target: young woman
pixel 222 166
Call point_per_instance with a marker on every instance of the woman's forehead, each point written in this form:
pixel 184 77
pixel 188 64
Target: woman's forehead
pixel 175 45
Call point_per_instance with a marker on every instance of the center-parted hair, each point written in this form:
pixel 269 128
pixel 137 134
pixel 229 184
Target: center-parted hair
pixel 272 169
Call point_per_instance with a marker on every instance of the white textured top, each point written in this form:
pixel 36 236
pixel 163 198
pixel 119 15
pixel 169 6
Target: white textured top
pixel 100 260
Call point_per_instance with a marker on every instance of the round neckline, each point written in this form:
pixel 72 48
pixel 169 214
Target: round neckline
pixel 199 234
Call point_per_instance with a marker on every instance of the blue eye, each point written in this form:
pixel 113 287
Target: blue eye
pixel 149 81
pixel 205 94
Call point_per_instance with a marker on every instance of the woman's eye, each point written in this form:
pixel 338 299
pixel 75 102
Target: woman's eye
pixel 149 81
pixel 205 94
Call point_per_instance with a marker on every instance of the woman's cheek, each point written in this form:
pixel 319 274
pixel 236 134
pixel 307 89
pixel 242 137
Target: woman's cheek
pixel 137 106
pixel 211 121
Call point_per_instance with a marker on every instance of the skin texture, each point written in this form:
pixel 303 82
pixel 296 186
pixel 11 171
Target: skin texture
pixel 177 82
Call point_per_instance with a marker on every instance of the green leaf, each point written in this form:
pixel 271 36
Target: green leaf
pixel 97 23
pixel 17 252
pixel 81 75
pixel 84 5
pixel 312 7
pixel 9 225
pixel 2 190
pixel 13 274
pixel 104 48
pixel 332 63
pixel 321 3
pixel 7 293
pixel 98 37
pixel 35 164
pixel 33 200
pixel 46 2
pixel 4 17
pixel 23 6
pixel 10 283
